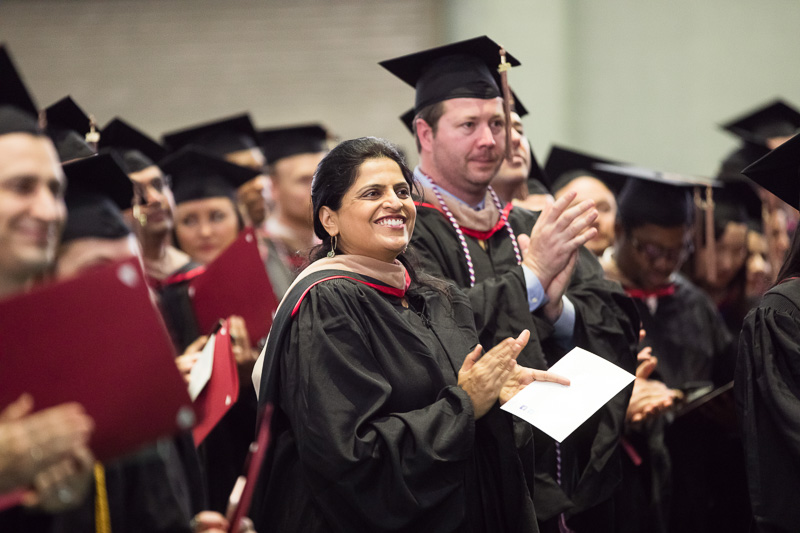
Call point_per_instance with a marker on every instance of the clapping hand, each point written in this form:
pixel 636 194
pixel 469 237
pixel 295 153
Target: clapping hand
pixel 484 377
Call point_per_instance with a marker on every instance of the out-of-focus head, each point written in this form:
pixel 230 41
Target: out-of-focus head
pixel 294 153
pixel 779 173
pixel 362 195
pixel 96 232
pixel 737 212
pixel 573 171
pixel 32 209
pixel 235 140
pixel 204 187
pixel 589 187
pixel 760 274
pixel 138 156
pixel 518 169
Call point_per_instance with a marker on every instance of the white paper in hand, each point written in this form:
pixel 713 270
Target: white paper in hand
pixel 558 410
pixel 201 371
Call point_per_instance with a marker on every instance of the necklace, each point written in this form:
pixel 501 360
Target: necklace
pixel 463 240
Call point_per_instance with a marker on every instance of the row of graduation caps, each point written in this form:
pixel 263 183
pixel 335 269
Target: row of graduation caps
pixel 95 180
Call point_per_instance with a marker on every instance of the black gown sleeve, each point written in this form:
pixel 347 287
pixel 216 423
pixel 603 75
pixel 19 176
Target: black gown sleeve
pixel 606 324
pixel 370 467
pixel 767 389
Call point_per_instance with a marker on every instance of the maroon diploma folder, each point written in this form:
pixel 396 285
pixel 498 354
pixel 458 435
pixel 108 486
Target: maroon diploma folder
pixel 235 283
pixel 222 389
pixel 97 340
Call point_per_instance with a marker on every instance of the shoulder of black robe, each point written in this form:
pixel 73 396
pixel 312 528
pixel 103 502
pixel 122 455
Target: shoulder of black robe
pixel 176 306
pixel 606 324
pixel 767 387
pixel 371 431
pixel 222 454
pixel 499 292
pixel 741 157
pixel 688 336
pixel 280 272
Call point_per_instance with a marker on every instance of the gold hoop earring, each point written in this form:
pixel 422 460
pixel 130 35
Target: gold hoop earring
pixel 332 253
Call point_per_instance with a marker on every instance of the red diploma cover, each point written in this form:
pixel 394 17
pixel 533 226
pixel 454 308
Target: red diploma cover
pixel 222 389
pixel 235 283
pixel 97 340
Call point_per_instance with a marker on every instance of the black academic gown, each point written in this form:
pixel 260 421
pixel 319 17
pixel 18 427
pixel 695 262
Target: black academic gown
pixel 147 492
pixel 371 431
pixel 767 387
pixel 176 305
pixel 691 478
pixel 606 324
pixel 689 337
pixel 223 452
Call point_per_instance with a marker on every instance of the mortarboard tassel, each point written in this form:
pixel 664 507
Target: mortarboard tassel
pixel 705 240
pixel 102 517
pixel 507 100
pixel 711 241
pixel 41 123
pixel 92 136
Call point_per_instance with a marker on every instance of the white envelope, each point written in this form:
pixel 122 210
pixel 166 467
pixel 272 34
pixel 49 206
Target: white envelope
pixel 558 410
pixel 201 371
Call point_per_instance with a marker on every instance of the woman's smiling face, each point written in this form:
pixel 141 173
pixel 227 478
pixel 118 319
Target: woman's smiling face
pixel 376 218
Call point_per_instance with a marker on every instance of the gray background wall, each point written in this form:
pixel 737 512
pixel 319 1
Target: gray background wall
pixel 640 81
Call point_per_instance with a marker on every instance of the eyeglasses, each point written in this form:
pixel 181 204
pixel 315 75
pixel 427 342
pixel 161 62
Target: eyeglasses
pixel 158 184
pixel 654 252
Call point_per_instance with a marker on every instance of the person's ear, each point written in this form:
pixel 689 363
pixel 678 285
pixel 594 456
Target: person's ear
pixel 425 134
pixel 329 220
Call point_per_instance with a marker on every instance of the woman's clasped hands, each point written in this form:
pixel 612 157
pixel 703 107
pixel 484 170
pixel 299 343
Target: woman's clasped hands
pixel 497 376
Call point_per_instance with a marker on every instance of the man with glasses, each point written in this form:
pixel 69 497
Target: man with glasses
pixel 169 270
pixel 668 477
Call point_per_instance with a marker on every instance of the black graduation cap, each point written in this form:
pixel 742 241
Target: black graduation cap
pixel 220 137
pixel 407 119
pixel 779 171
pixel 66 114
pixel 655 197
pixel 775 119
pixel 466 69
pixel 737 200
pixel 98 190
pixel 565 164
pixel 18 112
pixel 517 107
pixel 133 149
pixel 197 175
pixel 286 141
pixel 67 126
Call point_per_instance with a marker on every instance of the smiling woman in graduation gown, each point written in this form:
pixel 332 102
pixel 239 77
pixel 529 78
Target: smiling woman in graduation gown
pixel 767 382
pixel 374 429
